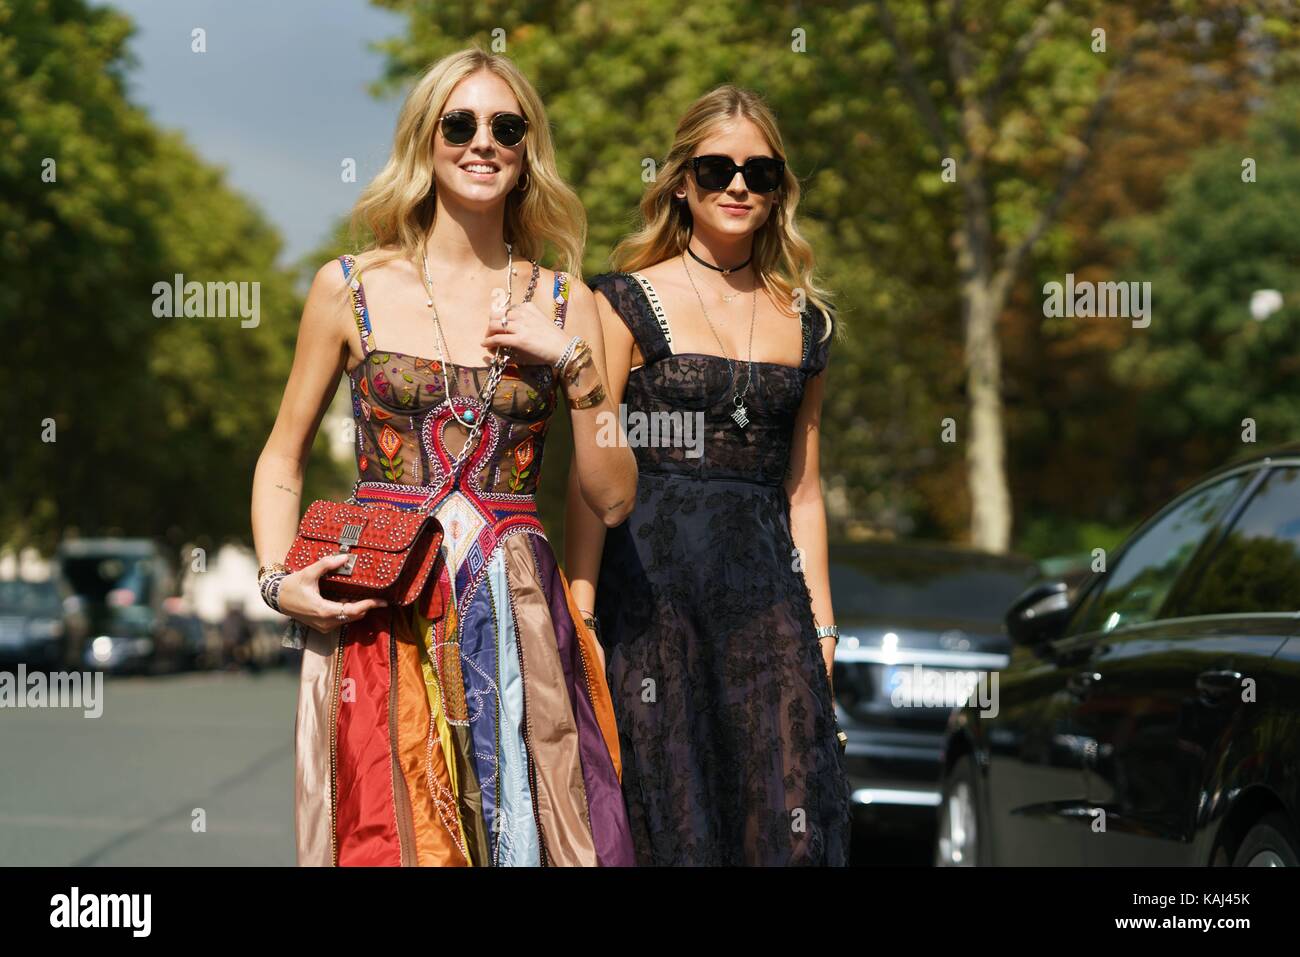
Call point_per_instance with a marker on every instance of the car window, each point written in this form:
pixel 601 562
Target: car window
pixel 1256 568
pixel 901 587
pixel 19 597
pixel 1138 583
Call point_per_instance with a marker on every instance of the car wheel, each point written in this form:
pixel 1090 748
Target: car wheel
pixel 958 842
pixel 1270 843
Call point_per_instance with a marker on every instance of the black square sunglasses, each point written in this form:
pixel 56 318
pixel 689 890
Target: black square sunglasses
pixel 762 173
pixel 459 127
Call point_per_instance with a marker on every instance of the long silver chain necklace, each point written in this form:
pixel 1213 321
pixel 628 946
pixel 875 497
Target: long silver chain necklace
pixel 472 420
pixel 739 413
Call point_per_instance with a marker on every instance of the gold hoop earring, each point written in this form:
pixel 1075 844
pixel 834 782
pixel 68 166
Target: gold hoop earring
pixel 523 182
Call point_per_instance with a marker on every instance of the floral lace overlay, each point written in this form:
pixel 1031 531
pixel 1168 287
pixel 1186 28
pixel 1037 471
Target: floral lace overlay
pixel 724 710
pixel 671 385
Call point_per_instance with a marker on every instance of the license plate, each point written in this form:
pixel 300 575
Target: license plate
pixel 906 686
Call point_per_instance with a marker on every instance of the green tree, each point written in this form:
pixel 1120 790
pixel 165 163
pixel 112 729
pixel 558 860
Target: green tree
pixel 157 422
pixel 1205 364
pixel 1013 99
pixel 616 78
pixel 873 98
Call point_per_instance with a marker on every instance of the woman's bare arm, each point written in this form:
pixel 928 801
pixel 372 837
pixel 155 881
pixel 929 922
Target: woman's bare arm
pixel 320 357
pixel 808 510
pixel 606 470
pixel 584 535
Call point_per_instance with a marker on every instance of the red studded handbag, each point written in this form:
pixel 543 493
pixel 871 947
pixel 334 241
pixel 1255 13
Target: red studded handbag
pixel 392 548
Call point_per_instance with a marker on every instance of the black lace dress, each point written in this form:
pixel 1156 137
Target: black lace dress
pixel 720 691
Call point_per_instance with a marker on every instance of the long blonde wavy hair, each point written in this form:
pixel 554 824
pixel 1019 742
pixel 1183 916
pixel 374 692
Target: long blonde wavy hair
pixel 783 259
pixel 398 207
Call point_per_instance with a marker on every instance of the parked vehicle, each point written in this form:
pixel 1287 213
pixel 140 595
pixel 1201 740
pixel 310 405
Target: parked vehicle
pixel 919 626
pixel 1156 718
pixel 32 627
pixel 121 585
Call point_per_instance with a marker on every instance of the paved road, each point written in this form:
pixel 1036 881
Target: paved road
pixel 122 789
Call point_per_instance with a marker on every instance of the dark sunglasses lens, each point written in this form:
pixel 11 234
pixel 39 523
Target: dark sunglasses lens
pixel 459 128
pixel 714 172
pixel 508 129
pixel 763 175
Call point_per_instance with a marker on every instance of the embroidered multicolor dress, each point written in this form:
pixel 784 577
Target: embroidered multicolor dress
pixel 473 727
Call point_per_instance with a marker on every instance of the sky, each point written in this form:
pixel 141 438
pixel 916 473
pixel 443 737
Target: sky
pixel 279 99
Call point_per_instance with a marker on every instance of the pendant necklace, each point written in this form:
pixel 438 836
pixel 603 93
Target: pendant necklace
pixel 739 413
pixel 448 370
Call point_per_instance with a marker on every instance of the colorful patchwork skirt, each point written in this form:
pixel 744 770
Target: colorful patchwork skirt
pixel 472 728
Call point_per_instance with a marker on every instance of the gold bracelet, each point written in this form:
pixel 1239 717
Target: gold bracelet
pixel 594 397
pixel 271 567
pixel 571 379
pixel 580 359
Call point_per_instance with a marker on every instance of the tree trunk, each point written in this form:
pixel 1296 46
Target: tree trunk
pixel 986 476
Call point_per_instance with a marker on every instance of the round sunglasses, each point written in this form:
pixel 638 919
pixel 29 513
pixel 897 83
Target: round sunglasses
pixel 762 174
pixel 459 127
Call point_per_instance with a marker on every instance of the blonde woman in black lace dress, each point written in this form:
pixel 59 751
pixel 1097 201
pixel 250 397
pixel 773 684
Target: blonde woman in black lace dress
pixel 712 599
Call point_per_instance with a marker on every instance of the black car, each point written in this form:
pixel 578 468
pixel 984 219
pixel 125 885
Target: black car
pixel 919 625
pixel 1156 718
pixel 32 627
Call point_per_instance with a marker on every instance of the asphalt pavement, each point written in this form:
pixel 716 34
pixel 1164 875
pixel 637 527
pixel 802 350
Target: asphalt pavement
pixel 191 769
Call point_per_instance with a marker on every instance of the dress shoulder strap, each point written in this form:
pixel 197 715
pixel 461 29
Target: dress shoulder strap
pixel 636 303
pixel 818 334
pixel 560 296
pixel 359 310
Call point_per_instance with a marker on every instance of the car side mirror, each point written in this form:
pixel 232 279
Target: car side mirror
pixel 1039 614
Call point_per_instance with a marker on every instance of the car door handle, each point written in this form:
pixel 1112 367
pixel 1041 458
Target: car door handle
pixel 1081 682
pixel 1217 684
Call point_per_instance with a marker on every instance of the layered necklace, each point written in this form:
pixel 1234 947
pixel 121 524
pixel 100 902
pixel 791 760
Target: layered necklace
pixel 739 413
pixel 471 418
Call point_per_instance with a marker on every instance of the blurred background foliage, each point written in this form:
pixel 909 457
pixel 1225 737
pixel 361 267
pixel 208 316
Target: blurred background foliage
pixel 1102 421
pixel 158 421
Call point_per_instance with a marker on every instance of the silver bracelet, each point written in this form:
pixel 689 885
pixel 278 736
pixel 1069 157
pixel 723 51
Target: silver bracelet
pixel 828 631
pixel 567 353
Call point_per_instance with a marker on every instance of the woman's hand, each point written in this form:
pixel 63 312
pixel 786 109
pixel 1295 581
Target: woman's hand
pixel 528 333
pixel 300 598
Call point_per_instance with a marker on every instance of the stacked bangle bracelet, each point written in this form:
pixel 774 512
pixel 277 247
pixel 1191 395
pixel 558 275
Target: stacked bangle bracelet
pixel 567 354
pixel 594 397
pixel 269 579
pixel 575 358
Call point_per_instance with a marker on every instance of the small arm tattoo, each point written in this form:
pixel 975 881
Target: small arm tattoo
pixel 286 488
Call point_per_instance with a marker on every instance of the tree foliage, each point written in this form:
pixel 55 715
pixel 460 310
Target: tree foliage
pixel 156 422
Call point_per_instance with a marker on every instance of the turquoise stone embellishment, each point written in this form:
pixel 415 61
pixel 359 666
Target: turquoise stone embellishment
pixel 469 415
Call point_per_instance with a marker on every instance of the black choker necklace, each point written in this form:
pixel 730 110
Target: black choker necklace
pixel 727 271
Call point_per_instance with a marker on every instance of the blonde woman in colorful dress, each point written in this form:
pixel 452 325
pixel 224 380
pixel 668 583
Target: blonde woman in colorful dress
pixel 712 600
pixel 475 726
